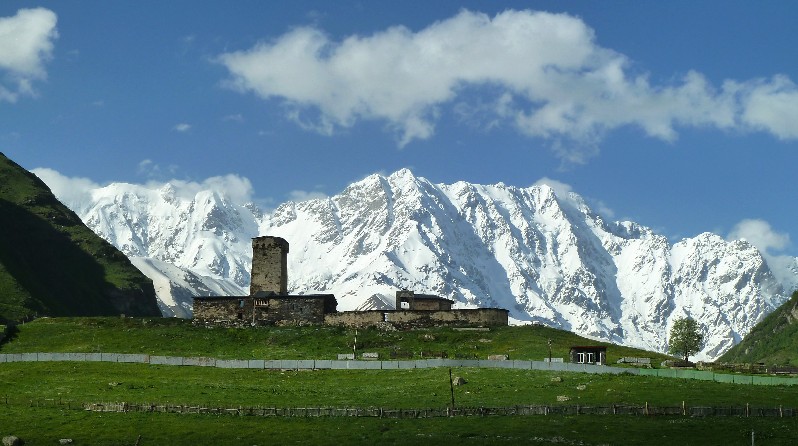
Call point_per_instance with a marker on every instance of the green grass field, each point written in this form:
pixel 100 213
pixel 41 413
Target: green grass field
pixel 29 392
pixel 157 336
pixel 47 426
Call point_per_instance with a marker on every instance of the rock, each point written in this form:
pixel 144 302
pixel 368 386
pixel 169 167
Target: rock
pixel 428 337
pixel 557 379
pixel 11 440
pixel 458 381
pixel 65 441
pixel 581 387
pixel 562 398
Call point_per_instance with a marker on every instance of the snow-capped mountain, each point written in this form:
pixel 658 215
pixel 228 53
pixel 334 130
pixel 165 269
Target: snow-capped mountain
pixel 544 257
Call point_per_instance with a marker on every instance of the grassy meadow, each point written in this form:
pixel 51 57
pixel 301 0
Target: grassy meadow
pixel 32 395
pixel 178 337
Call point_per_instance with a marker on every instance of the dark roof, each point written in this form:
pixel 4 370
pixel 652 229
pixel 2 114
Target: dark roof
pixel 430 297
pixel 268 296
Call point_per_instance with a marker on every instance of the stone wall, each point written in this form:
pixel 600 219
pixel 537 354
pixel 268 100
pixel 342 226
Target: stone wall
pixel 407 319
pixel 223 311
pixel 249 311
pixel 269 265
pixel 356 318
pixel 294 310
pixel 431 304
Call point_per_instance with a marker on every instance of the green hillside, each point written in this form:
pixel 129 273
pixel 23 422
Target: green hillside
pixel 773 341
pixel 178 337
pixel 52 264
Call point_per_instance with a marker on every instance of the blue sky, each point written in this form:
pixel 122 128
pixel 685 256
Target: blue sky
pixel 682 115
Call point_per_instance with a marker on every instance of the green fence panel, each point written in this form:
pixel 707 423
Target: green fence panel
pixel 763 380
pixel 648 372
pixel 705 376
pixel 668 373
pixel 743 379
pixel 784 381
pixel 724 378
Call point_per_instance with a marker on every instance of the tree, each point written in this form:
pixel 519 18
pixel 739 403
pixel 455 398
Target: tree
pixel 686 338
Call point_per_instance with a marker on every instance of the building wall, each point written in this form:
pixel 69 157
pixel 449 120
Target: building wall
pixel 291 311
pixel 407 319
pixel 242 312
pixel 226 312
pixel 431 304
pixel 269 265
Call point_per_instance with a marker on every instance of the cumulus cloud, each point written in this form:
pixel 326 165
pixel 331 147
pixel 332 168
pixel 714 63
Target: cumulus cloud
pixel 564 190
pixel 74 192
pixel 26 44
pixel 301 195
pixel 772 106
pixel 182 127
pixel 550 80
pixel 769 242
pixel 560 188
pixel 236 188
pixel 760 234
pixel 238 117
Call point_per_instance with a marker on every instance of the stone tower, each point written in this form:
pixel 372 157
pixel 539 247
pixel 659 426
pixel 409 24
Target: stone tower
pixel 269 265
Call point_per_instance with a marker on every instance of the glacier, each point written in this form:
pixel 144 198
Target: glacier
pixel 546 257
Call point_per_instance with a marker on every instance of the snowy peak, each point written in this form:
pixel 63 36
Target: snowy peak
pixel 544 256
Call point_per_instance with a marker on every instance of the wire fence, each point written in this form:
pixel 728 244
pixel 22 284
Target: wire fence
pixel 327 364
pixel 381 412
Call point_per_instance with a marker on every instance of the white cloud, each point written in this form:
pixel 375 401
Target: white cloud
pixel 182 127
pixel 238 117
pixel 237 188
pixel 560 188
pixel 26 43
pixel 74 192
pixel 769 242
pixel 549 77
pixel 760 234
pixel 301 195
pixel 564 190
pixel 772 106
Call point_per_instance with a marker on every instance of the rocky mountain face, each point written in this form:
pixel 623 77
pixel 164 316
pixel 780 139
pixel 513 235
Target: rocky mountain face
pixel 51 264
pixel 545 257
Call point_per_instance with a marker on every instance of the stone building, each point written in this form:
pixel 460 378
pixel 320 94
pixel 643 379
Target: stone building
pixel 269 303
pixel 409 319
pixel 269 271
pixel 264 309
pixel 408 300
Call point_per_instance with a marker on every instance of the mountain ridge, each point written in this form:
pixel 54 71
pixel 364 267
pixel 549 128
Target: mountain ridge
pixel 546 257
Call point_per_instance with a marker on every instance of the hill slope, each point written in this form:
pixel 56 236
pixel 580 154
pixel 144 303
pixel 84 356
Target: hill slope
pixel 773 341
pixel 52 264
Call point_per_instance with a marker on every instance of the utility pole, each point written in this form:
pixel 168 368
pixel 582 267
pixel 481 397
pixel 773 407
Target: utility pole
pixel 549 351
pixel 451 386
pixel 354 346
